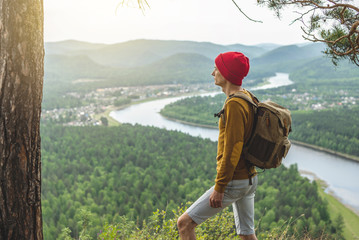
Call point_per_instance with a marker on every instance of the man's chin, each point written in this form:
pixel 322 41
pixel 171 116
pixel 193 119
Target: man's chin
pixel 219 85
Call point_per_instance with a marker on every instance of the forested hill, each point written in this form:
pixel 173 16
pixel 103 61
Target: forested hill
pixel 142 52
pixel 184 68
pixel 98 175
pixel 321 71
pixel 289 53
pixel 136 62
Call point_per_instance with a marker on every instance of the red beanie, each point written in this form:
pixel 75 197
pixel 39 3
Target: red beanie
pixel 233 66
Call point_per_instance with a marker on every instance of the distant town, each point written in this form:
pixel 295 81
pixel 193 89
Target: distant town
pixel 313 99
pixel 97 104
pixel 104 100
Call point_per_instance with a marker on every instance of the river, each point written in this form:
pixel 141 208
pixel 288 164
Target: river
pixel 340 174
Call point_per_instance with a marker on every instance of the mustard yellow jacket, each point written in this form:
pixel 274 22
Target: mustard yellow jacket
pixel 235 127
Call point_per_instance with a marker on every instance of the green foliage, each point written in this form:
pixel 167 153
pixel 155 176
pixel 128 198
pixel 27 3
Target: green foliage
pixel 117 177
pixel 220 226
pixel 286 201
pixel 121 230
pixel 104 121
pixel 333 22
pixel 122 101
pixel 160 226
pixel 119 171
pixel 339 225
pixel 85 222
pixel 65 234
pixel 335 129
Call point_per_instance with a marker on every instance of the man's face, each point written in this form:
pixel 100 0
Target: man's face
pixel 219 80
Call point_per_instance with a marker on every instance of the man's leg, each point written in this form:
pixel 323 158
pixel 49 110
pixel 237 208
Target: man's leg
pixel 186 227
pixel 197 213
pixel 244 210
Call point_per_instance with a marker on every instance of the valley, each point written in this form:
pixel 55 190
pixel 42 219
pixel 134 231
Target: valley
pixel 122 174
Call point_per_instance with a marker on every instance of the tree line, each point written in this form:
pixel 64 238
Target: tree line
pixel 335 128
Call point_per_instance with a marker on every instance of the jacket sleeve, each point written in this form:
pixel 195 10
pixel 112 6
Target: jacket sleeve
pixel 236 118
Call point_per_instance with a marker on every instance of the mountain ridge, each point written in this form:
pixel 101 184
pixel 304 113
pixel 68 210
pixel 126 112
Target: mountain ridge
pixel 126 54
pixel 167 61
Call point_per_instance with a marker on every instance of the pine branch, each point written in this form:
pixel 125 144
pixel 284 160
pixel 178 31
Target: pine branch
pixel 245 14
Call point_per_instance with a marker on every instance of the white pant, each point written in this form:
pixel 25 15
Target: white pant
pixel 238 193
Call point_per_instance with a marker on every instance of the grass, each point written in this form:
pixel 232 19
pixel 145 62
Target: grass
pixel 351 220
pixel 106 114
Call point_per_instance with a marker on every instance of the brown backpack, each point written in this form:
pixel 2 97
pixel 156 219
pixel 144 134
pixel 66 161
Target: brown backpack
pixel 269 142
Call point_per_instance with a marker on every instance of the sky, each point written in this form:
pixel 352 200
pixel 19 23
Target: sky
pixel 216 21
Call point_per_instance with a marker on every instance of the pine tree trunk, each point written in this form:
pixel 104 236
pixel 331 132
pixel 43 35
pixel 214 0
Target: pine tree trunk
pixel 21 81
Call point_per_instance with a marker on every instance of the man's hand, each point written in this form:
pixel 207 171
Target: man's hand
pixel 215 200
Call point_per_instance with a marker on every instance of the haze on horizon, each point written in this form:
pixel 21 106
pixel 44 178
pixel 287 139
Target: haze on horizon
pixel 201 20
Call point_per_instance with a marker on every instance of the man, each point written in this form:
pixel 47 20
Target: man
pixel 232 184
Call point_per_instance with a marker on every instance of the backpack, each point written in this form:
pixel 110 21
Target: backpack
pixel 269 142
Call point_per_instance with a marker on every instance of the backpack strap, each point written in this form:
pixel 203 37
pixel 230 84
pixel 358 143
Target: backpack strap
pixel 253 100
